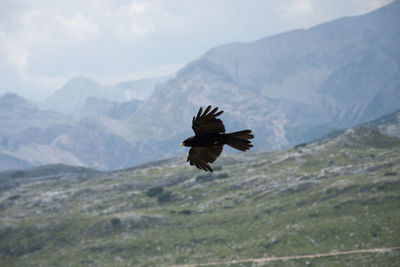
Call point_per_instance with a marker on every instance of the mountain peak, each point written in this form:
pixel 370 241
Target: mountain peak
pixel 9 96
pixel 80 82
pixel 73 94
pixel 9 100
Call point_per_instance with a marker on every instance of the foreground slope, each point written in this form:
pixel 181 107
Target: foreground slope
pixel 334 195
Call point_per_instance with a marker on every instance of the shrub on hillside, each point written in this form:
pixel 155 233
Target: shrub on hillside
pixel 210 177
pixel 115 222
pixel 300 145
pixel 185 212
pixel 164 197
pixel 155 191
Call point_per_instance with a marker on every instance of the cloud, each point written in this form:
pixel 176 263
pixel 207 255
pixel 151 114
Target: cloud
pixel 76 28
pixel 36 30
pixel 365 6
pixel 17 56
pixel 133 19
pixel 138 20
pixel 296 8
pixel 142 73
pixel 299 13
pixel 307 13
pixel 46 27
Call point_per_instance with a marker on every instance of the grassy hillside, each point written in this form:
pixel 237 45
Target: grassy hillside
pixel 341 194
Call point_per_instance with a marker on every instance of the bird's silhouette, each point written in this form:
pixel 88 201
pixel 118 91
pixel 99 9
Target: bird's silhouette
pixel 210 138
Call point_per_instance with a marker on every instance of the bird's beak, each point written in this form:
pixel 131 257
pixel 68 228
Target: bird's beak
pixel 181 144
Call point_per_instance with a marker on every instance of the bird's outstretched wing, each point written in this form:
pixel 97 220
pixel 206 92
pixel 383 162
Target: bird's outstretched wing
pixel 206 122
pixel 200 156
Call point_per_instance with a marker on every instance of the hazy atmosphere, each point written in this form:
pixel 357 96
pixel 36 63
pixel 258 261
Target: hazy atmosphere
pixel 45 43
pixel 200 133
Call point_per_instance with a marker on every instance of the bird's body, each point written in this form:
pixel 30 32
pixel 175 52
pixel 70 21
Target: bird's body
pixel 210 137
pixel 206 140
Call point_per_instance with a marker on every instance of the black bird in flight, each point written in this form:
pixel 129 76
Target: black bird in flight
pixel 210 137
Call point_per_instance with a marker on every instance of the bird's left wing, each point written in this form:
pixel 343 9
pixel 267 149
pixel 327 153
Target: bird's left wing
pixel 206 122
pixel 201 156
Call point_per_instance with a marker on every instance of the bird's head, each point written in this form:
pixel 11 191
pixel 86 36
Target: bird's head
pixel 187 142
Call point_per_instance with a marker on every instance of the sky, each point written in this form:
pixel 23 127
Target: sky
pixel 44 43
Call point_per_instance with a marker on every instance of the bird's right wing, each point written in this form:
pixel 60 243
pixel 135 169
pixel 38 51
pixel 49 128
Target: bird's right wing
pixel 206 122
pixel 201 156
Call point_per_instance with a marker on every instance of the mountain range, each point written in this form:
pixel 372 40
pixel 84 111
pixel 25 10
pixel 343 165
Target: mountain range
pixel 288 88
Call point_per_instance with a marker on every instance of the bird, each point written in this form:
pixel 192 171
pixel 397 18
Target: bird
pixel 210 138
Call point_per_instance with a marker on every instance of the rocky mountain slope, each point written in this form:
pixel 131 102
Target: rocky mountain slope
pixel 17 114
pixel 289 87
pixel 337 194
pixel 98 107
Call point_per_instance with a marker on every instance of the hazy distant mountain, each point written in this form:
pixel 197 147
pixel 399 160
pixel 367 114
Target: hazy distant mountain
pixel 138 89
pixel 107 108
pixel 76 91
pixel 31 137
pixel 18 114
pixel 288 87
pixel 73 95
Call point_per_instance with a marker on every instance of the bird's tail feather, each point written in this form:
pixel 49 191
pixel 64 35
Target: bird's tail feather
pixel 240 140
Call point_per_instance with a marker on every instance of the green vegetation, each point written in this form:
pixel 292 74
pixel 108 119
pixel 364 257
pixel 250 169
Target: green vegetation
pixel 210 177
pixel 164 197
pixel 155 191
pixel 300 145
pixel 115 222
pixel 17 174
pixel 323 197
pixel 185 212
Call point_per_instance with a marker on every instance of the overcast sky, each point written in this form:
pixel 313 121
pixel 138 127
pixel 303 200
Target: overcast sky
pixel 43 43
